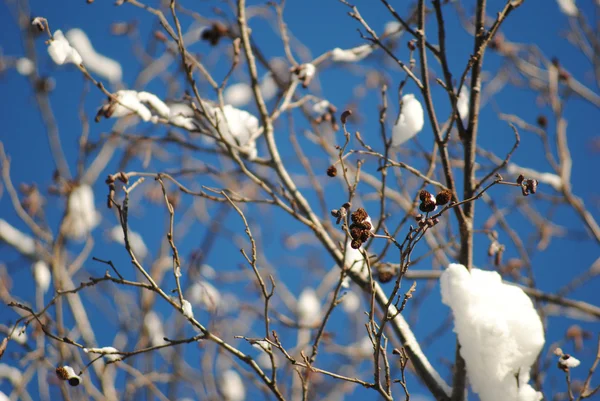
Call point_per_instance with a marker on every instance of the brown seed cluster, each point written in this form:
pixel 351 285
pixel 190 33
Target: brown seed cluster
pixel 214 34
pixel 360 229
pixel 329 116
pixel 385 274
pixel 528 186
pixel 430 202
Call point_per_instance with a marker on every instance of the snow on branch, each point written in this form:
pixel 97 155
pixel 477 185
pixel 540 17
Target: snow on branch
pixel 94 61
pixel 23 243
pixel 410 122
pixel 61 52
pixel 499 330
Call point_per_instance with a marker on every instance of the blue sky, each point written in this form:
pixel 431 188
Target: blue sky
pixel 319 26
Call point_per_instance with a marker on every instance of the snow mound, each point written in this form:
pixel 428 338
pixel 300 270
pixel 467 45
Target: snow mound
pixel 499 330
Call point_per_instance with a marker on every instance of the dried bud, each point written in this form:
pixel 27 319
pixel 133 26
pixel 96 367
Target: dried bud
pixel 412 45
pixel 385 274
pixel 67 373
pixel 418 217
pixel 161 37
pixel 365 235
pixel 335 213
pixel 359 215
pixel 345 115
pixel 542 121
pixel 423 194
pixel 214 34
pixel 566 362
pixel 529 187
pixel 365 225
pixel 427 206
pixel 332 171
pixel 355 232
pixel 443 197
pixel 497 41
pixel 520 179
pixel 355 244
pixel 563 75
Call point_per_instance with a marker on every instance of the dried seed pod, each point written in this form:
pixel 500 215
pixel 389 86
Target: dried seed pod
pixel 520 179
pixel 542 121
pixel 355 244
pixel 332 171
pixel 359 215
pixel 385 274
pixel 423 194
pixel 443 197
pixel 355 232
pixel 427 206
pixel 68 374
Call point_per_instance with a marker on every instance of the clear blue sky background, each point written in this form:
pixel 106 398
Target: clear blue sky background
pixel 320 26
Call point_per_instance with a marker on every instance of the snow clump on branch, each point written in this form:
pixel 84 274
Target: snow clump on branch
pixel 128 102
pixel 499 330
pixel 82 216
pixel 94 61
pixel 410 122
pixel 351 55
pixel 238 128
pixel 61 52
pixel 232 386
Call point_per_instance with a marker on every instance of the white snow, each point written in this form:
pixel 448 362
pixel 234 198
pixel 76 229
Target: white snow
pixel 232 386
pixel 306 71
pixel 392 29
pixel 61 52
pixel 238 95
pixel 82 216
pixel 268 87
pixel 110 353
pixel 308 308
pixel 154 327
pixel 42 275
pixel 320 107
pixel 351 302
pixel 94 61
pixel 135 241
pixel 462 103
pixel 186 309
pixel 24 66
pixel 132 102
pixel 351 55
pixel 15 238
pixel 238 128
pixel 410 122
pixel 544 178
pixel 204 294
pixel 568 7
pixel 499 330
pixel 262 345
pixel 567 362
pixel 11 373
pixel 182 115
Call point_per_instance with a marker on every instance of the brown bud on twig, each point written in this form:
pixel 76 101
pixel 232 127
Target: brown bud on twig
pixel 345 115
pixel 520 179
pixel 423 194
pixel 214 34
pixel 443 197
pixel 385 274
pixel 161 37
pixel 332 171
pixel 542 121
pixel 359 215
pixel 427 206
